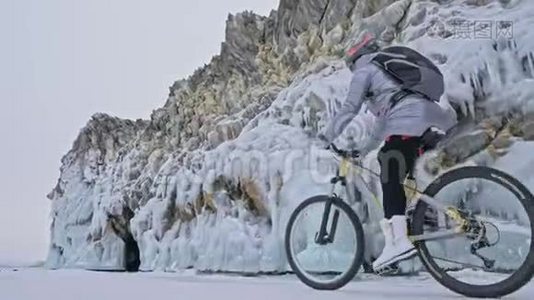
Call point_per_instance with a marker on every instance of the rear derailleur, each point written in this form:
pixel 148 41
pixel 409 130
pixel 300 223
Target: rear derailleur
pixel 476 231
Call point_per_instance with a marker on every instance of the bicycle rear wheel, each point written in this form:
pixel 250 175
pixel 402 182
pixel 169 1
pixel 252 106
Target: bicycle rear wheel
pixel 330 263
pixel 495 256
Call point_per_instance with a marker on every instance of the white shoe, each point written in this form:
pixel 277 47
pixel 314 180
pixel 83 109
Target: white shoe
pixel 398 247
pixel 387 230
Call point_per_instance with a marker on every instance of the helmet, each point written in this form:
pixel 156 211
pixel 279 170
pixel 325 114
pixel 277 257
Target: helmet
pixel 367 45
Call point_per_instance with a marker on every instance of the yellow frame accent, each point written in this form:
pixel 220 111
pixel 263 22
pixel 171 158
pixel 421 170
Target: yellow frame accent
pixel 344 167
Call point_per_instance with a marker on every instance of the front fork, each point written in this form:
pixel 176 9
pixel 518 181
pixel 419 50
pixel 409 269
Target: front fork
pixel 324 236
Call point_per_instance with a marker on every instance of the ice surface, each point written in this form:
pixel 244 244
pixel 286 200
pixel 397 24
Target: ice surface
pixel 35 284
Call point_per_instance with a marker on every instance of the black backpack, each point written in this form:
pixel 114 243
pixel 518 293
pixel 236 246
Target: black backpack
pixel 413 71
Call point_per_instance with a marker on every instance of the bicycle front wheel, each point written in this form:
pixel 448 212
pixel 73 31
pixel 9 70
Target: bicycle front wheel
pixel 324 243
pixel 494 254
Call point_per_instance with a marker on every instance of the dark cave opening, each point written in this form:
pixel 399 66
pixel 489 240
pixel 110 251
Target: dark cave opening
pixel 131 254
pixel 120 225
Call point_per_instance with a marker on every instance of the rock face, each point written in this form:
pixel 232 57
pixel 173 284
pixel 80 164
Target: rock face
pixel 86 173
pixel 210 180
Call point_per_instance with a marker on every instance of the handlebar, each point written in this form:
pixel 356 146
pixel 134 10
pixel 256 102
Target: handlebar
pixel 344 153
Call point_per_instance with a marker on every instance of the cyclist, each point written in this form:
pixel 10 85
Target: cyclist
pixel 405 121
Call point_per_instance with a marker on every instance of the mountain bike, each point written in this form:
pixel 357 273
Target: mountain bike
pixel 471 226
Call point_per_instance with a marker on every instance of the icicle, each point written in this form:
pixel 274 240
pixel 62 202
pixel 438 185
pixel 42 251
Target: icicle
pixel 530 65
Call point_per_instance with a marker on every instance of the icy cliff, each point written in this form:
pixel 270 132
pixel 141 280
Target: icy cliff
pixel 210 180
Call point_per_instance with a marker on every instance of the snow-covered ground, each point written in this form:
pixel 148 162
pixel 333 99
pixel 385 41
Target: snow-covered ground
pixel 31 284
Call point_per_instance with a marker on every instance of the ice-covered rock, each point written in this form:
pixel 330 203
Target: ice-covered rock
pixel 210 180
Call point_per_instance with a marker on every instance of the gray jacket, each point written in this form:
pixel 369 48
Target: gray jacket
pixel 370 84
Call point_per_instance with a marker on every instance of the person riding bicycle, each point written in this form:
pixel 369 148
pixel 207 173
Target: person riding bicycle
pixel 405 121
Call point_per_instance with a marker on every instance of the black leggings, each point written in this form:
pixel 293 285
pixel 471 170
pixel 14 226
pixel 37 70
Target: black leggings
pixel 397 160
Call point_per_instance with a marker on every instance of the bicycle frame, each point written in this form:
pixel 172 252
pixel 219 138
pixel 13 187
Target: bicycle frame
pixel 348 164
pixel 445 221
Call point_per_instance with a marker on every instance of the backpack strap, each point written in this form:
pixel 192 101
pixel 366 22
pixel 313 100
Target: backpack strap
pixel 399 96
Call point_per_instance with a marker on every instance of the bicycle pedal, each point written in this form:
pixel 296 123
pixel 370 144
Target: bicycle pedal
pixel 389 270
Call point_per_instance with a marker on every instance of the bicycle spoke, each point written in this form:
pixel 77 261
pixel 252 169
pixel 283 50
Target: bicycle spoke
pixel 446 234
pixel 460 263
pixel 472 266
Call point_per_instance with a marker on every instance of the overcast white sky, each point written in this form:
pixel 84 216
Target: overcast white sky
pixel 63 60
